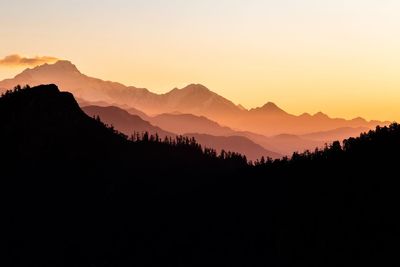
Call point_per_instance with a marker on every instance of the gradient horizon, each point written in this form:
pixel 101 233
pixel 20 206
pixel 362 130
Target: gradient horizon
pixel 340 57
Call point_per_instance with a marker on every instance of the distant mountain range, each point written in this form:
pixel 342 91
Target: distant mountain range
pixel 239 144
pixel 129 124
pixel 208 133
pixel 193 99
pixel 189 123
pixel 283 144
pixel 267 131
pixel 336 134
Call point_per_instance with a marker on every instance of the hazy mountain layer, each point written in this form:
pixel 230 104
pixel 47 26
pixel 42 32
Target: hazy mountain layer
pixel 193 99
pixel 130 124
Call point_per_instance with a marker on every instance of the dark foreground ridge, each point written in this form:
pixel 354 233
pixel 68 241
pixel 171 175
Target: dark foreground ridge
pixel 78 193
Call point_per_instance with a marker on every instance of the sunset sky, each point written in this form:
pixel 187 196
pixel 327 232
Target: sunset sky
pixel 341 57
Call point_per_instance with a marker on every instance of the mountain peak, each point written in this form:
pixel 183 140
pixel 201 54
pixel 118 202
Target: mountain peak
pixel 59 66
pixel 65 65
pixel 195 87
pixel 359 120
pixel 270 105
pixel 271 108
pixel 305 115
pixel 191 89
pixel 321 115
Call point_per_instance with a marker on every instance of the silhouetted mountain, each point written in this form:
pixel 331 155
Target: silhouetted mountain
pixel 80 194
pixel 125 122
pixel 237 144
pixel 195 99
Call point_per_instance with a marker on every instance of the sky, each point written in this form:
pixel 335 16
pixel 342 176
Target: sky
pixel 341 57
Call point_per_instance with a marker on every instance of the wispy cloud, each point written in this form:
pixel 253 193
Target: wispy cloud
pixel 19 61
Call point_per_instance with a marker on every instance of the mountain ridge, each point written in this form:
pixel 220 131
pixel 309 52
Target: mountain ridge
pixel 219 139
pixel 194 98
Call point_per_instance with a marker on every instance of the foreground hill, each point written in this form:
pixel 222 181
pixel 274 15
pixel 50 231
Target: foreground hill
pixel 81 194
pixel 193 99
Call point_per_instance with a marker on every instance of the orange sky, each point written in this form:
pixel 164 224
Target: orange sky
pixel 341 57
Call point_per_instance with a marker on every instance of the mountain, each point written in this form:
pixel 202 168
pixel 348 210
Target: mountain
pixel 199 100
pixel 129 124
pixel 189 123
pixel 84 103
pixel 80 194
pixel 269 109
pixel 124 121
pixel 271 120
pixel 286 144
pixel 194 99
pixel 237 144
pixel 283 144
pixel 336 134
pixel 135 111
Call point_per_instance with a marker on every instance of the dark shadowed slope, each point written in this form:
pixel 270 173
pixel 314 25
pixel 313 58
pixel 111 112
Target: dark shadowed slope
pixel 79 194
pixel 50 120
pixel 125 122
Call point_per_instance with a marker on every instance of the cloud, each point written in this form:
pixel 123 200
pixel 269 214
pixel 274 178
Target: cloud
pixel 18 61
